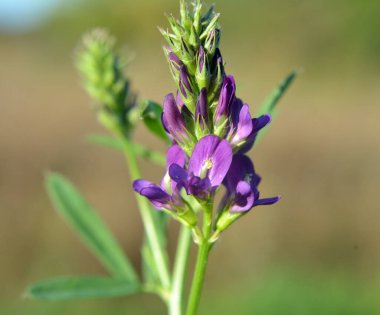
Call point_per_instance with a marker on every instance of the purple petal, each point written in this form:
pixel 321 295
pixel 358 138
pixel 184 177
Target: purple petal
pixel 244 197
pixel 175 155
pixel 158 197
pixel 179 100
pixel 179 175
pixel 244 126
pixel 241 167
pixel 201 108
pixel 267 201
pixel 257 124
pixel 184 83
pixel 227 95
pixel 199 187
pixel 212 156
pixel 260 122
pixel 172 118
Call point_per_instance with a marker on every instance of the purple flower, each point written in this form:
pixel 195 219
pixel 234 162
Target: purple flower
pixel 157 196
pixel 184 82
pixel 227 95
pixel 242 183
pixel 241 125
pixel 208 166
pixel 166 195
pixel 201 113
pixel 172 119
pixel 201 59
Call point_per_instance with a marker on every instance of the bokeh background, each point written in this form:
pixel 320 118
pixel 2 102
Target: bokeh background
pixel 315 252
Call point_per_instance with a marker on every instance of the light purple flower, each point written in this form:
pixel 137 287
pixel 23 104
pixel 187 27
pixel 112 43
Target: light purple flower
pixel 166 195
pixel 242 183
pixel 241 125
pixel 208 166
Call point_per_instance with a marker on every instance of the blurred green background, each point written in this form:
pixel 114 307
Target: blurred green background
pixel 315 252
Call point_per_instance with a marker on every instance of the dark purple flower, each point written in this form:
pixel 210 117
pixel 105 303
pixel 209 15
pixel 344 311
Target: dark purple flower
pixel 184 82
pixel 208 166
pixel 242 183
pixel 157 196
pixel 201 59
pixel 257 124
pixel 172 119
pixel 227 95
pixel 201 113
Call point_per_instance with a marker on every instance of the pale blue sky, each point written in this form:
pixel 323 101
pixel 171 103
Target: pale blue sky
pixel 24 15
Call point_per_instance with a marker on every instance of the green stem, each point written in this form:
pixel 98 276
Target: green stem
pixel 180 270
pixel 147 215
pixel 201 264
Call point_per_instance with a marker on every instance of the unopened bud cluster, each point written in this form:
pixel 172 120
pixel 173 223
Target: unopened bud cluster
pixel 102 70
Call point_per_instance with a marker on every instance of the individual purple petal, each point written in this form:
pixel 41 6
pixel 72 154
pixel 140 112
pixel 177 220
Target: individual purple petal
pixel 244 125
pixel 211 158
pixel 175 155
pixel 174 60
pixel 201 113
pixel 184 81
pixel 241 166
pixel 260 122
pixel 179 100
pixel 266 201
pixel 156 195
pixel 172 118
pixel 257 124
pixel 227 95
pixel 179 175
pixel 244 197
pixel 199 187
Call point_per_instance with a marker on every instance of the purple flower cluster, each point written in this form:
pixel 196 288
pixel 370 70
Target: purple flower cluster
pixel 211 129
pixel 199 167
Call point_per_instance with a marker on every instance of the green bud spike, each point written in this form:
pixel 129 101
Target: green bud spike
pixel 213 24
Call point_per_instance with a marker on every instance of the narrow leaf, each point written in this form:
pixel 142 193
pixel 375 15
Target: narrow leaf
pixel 75 209
pixel 269 105
pixel 84 287
pixel 151 116
pixel 114 143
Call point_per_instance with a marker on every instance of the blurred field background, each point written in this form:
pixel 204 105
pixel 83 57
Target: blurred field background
pixel 315 252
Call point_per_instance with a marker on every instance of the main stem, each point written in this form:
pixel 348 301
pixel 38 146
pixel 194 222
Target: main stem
pixel 201 264
pixel 147 217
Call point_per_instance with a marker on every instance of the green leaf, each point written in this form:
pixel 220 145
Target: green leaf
pixel 151 116
pixel 84 287
pixel 270 104
pixel 114 143
pixel 75 209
